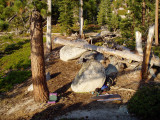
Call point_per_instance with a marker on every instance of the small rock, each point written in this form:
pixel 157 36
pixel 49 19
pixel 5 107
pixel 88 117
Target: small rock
pixel 47 60
pixel 48 77
pixel 99 57
pixel 111 70
pixel 30 88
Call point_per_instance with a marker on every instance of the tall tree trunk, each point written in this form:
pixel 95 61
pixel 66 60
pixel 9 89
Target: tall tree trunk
pixel 143 12
pixel 41 92
pixel 81 18
pixel 48 34
pixel 156 22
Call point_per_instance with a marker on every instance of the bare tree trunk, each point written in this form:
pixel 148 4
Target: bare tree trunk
pixel 124 54
pixel 48 34
pixel 139 42
pixel 81 19
pixel 41 92
pixel 146 57
pixel 143 12
pixel 156 22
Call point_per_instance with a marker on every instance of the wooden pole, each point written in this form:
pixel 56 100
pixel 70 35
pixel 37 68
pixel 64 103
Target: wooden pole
pixel 139 42
pixel 156 22
pixel 147 51
pixel 48 34
pixel 81 19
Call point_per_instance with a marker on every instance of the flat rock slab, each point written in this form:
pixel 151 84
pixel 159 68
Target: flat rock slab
pixel 91 76
pixel 120 113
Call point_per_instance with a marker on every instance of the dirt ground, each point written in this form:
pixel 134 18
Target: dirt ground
pixel 18 104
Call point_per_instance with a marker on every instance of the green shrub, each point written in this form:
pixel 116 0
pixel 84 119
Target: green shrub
pixel 3 25
pixel 10 44
pixel 12 78
pixel 156 51
pixel 92 27
pixel 122 12
pixel 146 103
pixel 99 43
pixel 17 60
pixel 56 28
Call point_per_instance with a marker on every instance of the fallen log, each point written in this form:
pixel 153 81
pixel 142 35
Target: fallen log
pixel 105 50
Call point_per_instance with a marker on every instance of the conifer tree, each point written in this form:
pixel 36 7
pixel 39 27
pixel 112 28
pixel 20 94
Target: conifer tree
pixel 90 8
pixel 41 92
pixel 101 17
pixel 5 13
pixel 109 15
pixel 66 15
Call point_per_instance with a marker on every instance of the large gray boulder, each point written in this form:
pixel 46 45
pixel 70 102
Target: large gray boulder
pixel 68 53
pixel 91 76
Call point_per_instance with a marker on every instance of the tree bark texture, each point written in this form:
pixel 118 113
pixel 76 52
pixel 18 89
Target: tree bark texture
pixel 81 18
pixel 143 12
pixel 146 57
pixel 156 22
pixel 41 92
pixel 139 42
pixel 48 34
pixel 105 50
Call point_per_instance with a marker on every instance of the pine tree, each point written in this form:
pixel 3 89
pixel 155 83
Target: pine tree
pixel 109 15
pixel 5 13
pixel 41 92
pixel 101 17
pixel 90 8
pixel 105 13
pixel 66 15
pixel 114 22
pixel 137 17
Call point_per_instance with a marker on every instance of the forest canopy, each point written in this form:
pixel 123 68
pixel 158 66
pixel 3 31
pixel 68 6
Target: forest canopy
pixel 124 15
